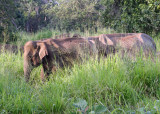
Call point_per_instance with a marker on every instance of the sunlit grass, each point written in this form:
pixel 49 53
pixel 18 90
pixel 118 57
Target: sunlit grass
pixel 24 37
pixel 116 83
pixel 121 85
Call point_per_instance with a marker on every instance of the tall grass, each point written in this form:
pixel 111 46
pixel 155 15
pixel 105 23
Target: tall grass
pixel 24 37
pixel 121 85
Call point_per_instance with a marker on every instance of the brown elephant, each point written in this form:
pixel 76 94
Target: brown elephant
pixel 10 48
pixel 101 46
pixel 129 43
pixel 54 53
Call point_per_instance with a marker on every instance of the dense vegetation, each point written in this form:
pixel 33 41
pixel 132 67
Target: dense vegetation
pixel 79 15
pixel 133 15
pixel 113 85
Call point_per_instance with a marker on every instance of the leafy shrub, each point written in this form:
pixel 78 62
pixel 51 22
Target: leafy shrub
pixel 133 15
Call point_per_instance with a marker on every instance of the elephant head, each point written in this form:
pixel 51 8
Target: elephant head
pixel 34 52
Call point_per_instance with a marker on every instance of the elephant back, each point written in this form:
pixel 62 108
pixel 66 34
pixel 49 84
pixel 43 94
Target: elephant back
pixel 129 42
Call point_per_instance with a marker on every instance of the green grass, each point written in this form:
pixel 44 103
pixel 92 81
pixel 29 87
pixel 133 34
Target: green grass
pixel 121 85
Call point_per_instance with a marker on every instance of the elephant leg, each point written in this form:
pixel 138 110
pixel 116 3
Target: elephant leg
pixel 46 71
pixel 100 55
pixel 54 69
pixel 45 74
pixel 42 74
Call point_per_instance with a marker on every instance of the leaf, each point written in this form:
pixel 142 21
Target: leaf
pixel 81 103
pixel 141 110
pixel 99 109
pixel 149 112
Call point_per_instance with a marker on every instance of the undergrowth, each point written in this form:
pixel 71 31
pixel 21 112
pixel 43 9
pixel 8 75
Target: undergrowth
pixel 112 85
pixel 117 84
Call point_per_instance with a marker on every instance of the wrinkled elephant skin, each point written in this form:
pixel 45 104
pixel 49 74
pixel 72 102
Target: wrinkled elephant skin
pixel 54 53
pixel 127 42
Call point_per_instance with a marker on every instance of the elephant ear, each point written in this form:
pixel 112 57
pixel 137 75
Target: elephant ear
pixel 42 50
pixel 103 39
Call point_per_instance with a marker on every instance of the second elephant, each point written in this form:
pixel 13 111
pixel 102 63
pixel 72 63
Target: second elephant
pixel 130 43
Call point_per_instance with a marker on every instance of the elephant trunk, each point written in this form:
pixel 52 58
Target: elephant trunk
pixel 27 68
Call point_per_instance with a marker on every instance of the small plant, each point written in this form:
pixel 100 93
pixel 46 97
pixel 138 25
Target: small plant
pixel 81 104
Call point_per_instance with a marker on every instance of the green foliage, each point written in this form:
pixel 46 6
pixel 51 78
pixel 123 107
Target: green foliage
pixel 23 37
pixel 113 85
pixel 81 15
pixel 76 14
pixel 33 14
pixel 96 109
pixel 7 23
pixel 7 34
pixel 133 15
pixel 82 104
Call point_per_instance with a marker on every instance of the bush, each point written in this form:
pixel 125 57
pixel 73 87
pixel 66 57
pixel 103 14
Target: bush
pixel 133 15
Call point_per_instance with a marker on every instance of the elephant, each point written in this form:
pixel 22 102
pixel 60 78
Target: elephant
pixel 11 48
pixel 101 46
pixel 129 43
pixel 55 53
